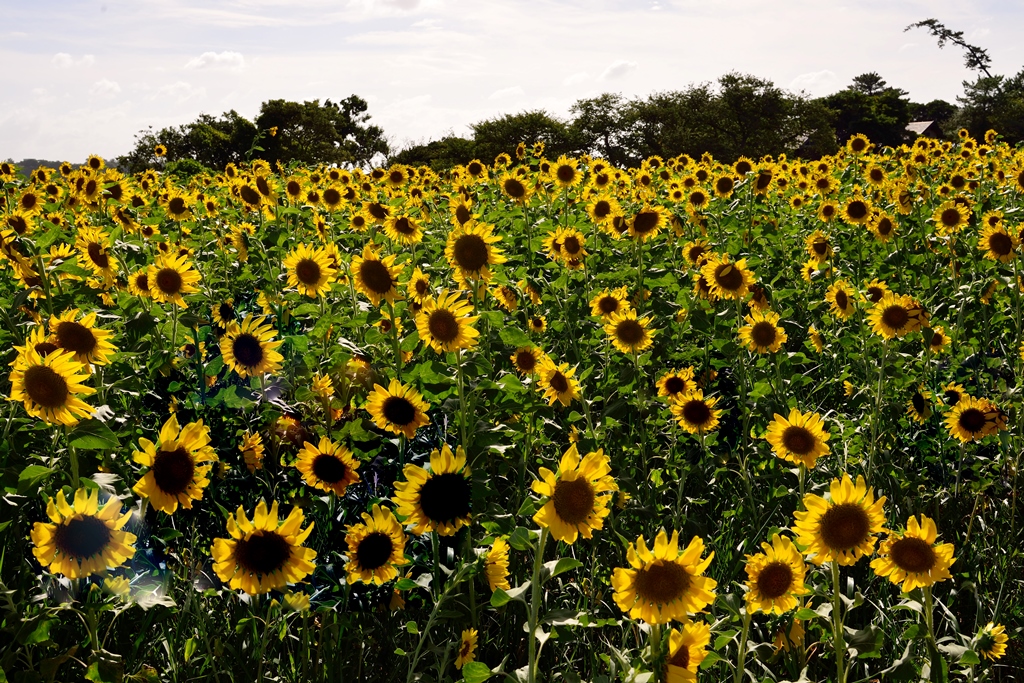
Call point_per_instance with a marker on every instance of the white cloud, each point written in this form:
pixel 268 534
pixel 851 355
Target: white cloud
pixel 815 82
pixel 575 78
pixel 179 91
pixel 506 93
pixel 907 46
pixel 218 60
pixel 618 69
pixel 62 60
pixel 105 88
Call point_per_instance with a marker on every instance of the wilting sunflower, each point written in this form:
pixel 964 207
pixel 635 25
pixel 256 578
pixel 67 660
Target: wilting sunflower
pixel 918 407
pixel 896 316
pixel 399 409
pixel 467 648
pixel 725 279
pixel 676 383
pixel 444 323
pixel 841 528
pixel 775 577
pixel 577 498
pixel 557 382
pixel 249 349
pixel 840 298
pixel 762 332
pixel 263 555
pixel 950 218
pixel 252 451
pixel 171 277
pixel 496 565
pixel 49 386
pixel 471 252
pixel 403 229
pixel 800 439
pixel 90 344
pixel 309 270
pixel 179 465
pixel 913 558
pixel 991 641
pixel 376 278
pixel 628 333
pixel 84 539
pixel 998 244
pixel 695 413
pixel 438 500
pixel 375 547
pixel 666 584
pixel 328 466
pixel 972 419
pixel 686 651
pixel 526 359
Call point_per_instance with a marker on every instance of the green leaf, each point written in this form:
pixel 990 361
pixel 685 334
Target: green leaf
pixel 93 435
pixel 806 614
pixel 565 564
pixel 499 598
pixel 404 584
pixel 32 475
pixel 476 672
pixel 190 648
pixel 970 658
pixel 230 398
pixel 412 628
pixel 513 336
pixel 724 638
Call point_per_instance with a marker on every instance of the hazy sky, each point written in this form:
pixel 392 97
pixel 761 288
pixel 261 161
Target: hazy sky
pixel 84 77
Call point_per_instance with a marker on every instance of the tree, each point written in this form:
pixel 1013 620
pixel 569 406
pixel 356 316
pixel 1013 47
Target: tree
pixel 314 133
pixel 491 137
pixel 440 155
pixel 872 108
pixel 597 126
pixel 975 58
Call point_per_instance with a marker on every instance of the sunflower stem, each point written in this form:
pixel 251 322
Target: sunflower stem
pixel 461 381
pixel 394 342
pixel 877 408
pixel 838 638
pixel 538 562
pixel 656 663
pixel 929 615
pixel 72 459
pixel 742 656
pixel 959 467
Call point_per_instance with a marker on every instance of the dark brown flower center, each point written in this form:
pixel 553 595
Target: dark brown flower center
pixel 45 386
pixel 75 337
pixel 820 246
pixel 875 294
pixel 514 189
pixel 526 361
pixel 574 500
pixel 559 382
pixel 950 218
pixel 462 213
pixel 775 580
pixel 798 440
pixel 952 396
pixel 226 312
pixel 265 552
pixel 247 350
pixel 398 411
pixel 378 211
pixel 404 226
pixel 917 400
pixel 471 253
pixel 896 317
pixel 675 385
pixel 696 412
pixel 630 332
pixel 45 348
pixel 845 526
pixel 374 550
pixel 645 221
pixel 565 173
pixel 972 420
pixel 443 326
pixel 608 304
pixel 173 470
pixel 999 243
pixel 307 271
pixel 728 277
pixel 724 185
pixel 763 333
pixel 446 497
pixel 375 276
pixel 662 582
pixel 177 206
pixel 884 226
pixel 602 208
pixel 842 301
pixel 681 657
pixel 81 538
pixel 913 555
pixel 97 256
pixel 169 281
pixel 857 209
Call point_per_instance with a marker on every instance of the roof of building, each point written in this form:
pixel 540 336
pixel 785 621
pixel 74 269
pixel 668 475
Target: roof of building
pixel 919 127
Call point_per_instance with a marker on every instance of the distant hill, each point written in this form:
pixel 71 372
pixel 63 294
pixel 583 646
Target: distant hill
pixel 26 166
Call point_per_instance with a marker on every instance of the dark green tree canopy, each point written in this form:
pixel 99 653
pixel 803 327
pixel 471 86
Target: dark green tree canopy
pixel 869 106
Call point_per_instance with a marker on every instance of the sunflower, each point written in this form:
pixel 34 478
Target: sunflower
pixel 972 419
pixel 628 333
pixel 695 413
pixel 648 222
pixel 506 296
pixel 816 338
pixel 952 393
pixel 89 344
pixel 249 349
pixel 224 314
pixel 418 287
pixel 998 244
pixel 376 278
pixel 725 279
pixel 179 465
pixel 572 245
pixel 445 325
pixel 818 246
pixel 666 584
pixel 467 648
pixel 608 302
pixel 991 641
pixel 557 382
pixel 800 439
pixel 515 188
pixel 918 406
pixel 439 500
pixel 775 577
pixel 686 651
pixel 403 229
pixel 762 332
pixel 375 547
pixel 538 324
pixel 328 466
pixel 252 451
pixel 171 277
pixel 565 173
pixel 49 386
pixel 470 251
pixel 263 555
pixel 950 218
pixel 676 383
pixel 309 270
pixel 882 225
pixel 576 500
pixel 602 207
pixel 496 565
pixel 696 252
pixel 875 291
pixel 84 539
pixel 841 528
pixel 93 246
pixel 913 558
pixel 399 409
pixel 896 316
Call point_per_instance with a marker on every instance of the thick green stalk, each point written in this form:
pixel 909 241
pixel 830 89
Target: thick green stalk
pixel 538 562
pixel 742 657
pixel 838 637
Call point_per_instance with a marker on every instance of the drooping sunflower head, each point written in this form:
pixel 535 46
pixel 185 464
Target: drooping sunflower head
pixel 800 439
pixel 919 406
pixel 577 497
pixel 467 648
pixel 84 538
pixel 376 278
pixel 49 385
pixel 841 528
pixel 327 466
pixel 399 409
pixel 250 349
pixel 445 323
pixel 991 641
pixel 762 332
pixel 815 338
pixel 263 555
pixel 496 565
pixel 375 547
pixel 913 558
pixel 677 383
pixel 629 333
pixel 178 465
pixel 725 279
pixel 470 251
pixel 439 499
pixel 775 577
pixel 664 583
pixel 252 449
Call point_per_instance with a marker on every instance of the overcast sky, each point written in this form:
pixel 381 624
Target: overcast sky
pixel 83 77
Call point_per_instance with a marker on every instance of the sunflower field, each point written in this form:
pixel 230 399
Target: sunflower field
pixel 535 420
